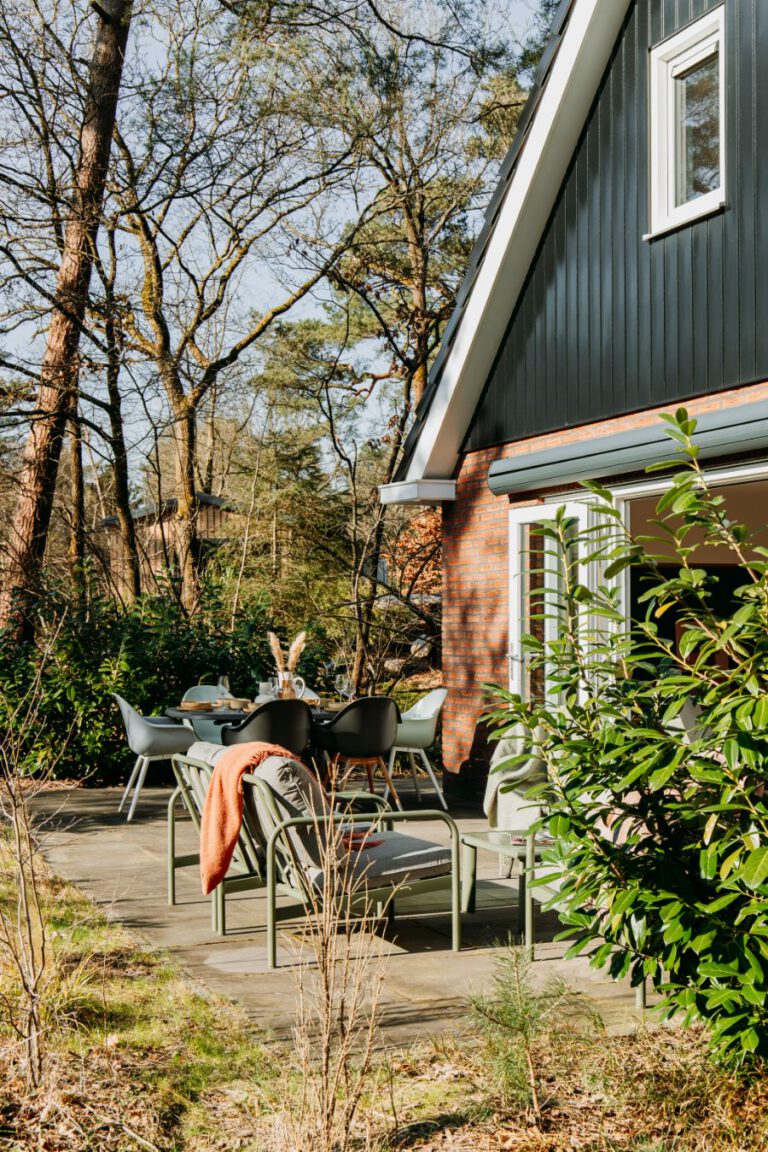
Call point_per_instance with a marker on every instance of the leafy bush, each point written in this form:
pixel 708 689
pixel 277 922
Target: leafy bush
pixel 150 653
pixel 656 743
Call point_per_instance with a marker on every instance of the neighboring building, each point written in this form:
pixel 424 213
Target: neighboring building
pixel 154 533
pixel 622 271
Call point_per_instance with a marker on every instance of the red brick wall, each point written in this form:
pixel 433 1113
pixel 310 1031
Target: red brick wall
pixel 475 574
pixel 475 605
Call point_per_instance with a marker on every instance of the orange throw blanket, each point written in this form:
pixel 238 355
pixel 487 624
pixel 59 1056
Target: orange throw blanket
pixel 223 807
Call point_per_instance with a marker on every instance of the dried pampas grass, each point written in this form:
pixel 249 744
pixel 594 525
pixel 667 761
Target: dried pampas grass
pixel 277 651
pixel 295 651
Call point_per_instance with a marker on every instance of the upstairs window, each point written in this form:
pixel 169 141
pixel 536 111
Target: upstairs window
pixel 688 124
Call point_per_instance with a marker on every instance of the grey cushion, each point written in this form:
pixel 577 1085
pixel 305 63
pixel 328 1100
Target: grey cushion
pixel 395 858
pixel 206 751
pixel 296 793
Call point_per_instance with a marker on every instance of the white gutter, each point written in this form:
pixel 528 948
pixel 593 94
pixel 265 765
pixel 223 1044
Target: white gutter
pixel 418 492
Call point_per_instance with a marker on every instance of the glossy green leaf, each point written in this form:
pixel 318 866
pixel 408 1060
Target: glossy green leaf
pixel 755 868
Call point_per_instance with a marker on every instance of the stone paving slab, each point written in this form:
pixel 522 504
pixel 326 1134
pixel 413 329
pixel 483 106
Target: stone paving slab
pixel 122 868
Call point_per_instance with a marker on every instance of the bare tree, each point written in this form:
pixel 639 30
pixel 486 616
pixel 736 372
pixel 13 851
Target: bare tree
pixel 58 374
pixel 25 944
pixel 412 109
pixel 413 113
pixel 220 184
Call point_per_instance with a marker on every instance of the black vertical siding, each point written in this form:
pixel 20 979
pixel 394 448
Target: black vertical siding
pixel 608 322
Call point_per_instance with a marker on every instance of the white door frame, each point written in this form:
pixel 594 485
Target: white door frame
pixel 519 519
pixel 577 504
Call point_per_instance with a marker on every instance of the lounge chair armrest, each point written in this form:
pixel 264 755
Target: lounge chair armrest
pixel 430 814
pixel 192 760
pixel 370 797
pixel 346 818
pixel 424 814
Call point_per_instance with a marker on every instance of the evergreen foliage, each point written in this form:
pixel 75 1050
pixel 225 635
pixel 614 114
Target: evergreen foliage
pixel 150 653
pixel 656 744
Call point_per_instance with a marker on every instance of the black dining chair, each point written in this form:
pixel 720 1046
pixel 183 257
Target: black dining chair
pixel 284 722
pixel 360 735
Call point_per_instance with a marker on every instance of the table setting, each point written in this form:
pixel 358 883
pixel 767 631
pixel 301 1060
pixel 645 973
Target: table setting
pixel 224 708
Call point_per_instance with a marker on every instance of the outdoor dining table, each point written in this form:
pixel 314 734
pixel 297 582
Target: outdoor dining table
pixel 222 716
pixel 217 715
pixel 234 715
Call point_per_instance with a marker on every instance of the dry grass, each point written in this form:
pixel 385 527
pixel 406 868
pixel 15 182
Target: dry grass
pixel 140 1060
pixel 132 1045
pixel 338 989
pixel 652 1092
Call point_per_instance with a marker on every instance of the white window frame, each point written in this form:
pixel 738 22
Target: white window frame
pixel 519 519
pixel 668 60
pixel 581 507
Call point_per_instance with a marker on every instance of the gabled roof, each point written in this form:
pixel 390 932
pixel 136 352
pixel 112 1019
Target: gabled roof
pixel 583 36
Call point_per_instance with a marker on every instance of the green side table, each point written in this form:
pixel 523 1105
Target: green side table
pixel 521 846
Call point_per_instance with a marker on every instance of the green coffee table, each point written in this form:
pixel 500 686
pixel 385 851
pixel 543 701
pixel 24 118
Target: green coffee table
pixel 512 845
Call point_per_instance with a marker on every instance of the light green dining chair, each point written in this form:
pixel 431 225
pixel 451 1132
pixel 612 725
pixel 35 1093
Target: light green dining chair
pixel 149 738
pixel 415 733
pixel 203 728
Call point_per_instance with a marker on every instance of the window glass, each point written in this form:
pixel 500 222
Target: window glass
pixel 533 608
pixel 540 606
pixel 687 111
pixel 697 100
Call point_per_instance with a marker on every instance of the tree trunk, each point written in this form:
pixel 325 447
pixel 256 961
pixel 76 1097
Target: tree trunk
pixel 58 374
pixel 77 512
pixel 418 252
pixel 185 524
pixel 129 579
pixel 366 604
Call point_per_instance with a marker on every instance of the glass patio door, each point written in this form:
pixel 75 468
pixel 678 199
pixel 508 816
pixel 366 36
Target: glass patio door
pixel 536 580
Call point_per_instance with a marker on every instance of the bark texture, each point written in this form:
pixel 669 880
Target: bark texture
pixel 128 575
pixel 59 371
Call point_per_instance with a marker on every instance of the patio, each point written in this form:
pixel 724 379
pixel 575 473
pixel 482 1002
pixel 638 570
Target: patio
pixel 122 868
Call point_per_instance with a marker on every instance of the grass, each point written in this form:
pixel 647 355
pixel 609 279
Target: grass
pixel 651 1092
pixel 142 1059
pixel 128 1036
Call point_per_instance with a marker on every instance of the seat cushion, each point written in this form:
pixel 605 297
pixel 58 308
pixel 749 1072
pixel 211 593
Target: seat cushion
pixel 206 751
pixel 296 792
pixel 394 858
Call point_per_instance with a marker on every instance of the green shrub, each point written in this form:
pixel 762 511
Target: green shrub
pixel 150 653
pixel 661 832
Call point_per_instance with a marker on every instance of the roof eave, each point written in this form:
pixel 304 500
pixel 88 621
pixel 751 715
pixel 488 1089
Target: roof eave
pixel 418 492
pixel 551 137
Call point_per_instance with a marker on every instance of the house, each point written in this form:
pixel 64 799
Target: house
pixel 154 536
pixel 622 271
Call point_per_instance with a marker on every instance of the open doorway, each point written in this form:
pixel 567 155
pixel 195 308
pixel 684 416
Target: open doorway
pixel 744 503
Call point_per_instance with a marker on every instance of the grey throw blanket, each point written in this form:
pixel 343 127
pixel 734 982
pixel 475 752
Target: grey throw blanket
pixel 508 807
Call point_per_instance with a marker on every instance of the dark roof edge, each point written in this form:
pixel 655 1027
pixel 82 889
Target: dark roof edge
pixel 147 510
